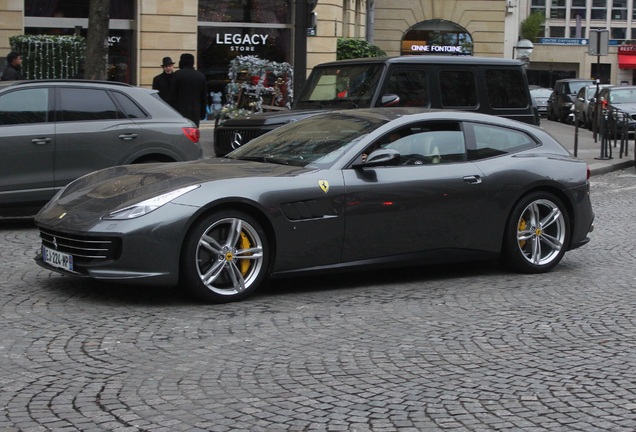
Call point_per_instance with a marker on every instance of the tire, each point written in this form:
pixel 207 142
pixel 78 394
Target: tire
pixel 537 234
pixel 225 257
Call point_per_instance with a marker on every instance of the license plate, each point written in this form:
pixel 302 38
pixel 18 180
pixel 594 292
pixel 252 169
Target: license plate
pixel 57 259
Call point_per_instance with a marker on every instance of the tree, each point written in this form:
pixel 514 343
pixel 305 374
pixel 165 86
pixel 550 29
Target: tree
pixel 356 48
pixel 532 26
pixel 97 40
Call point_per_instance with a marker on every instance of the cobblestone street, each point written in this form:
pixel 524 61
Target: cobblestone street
pixel 450 348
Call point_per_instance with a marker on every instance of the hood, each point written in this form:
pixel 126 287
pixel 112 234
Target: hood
pixel 269 118
pixel 121 186
pixel 628 107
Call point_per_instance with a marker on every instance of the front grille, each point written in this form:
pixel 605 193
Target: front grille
pixel 232 139
pixel 84 248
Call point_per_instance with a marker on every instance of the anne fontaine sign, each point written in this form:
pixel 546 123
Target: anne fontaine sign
pixel 241 42
pixel 421 47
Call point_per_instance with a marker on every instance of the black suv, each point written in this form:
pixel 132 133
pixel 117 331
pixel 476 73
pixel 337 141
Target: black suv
pixel 563 97
pixel 479 84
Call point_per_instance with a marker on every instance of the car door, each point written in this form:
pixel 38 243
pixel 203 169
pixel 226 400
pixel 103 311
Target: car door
pixel 414 207
pixel 92 133
pixel 27 146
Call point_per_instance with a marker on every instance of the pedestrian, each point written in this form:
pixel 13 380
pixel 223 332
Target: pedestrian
pixel 188 91
pixel 14 66
pixel 163 81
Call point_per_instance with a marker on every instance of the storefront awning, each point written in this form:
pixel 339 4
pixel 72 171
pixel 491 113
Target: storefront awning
pixel 627 61
pixel 627 56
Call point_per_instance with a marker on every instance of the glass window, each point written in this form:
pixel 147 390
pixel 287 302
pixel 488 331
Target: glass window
pixel 599 9
pixel 557 31
pixel 618 33
pixel 495 141
pixel 262 11
pixel 458 89
pixel 119 9
pixel 619 10
pixel 86 105
pixel 557 9
pixel 506 88
pixel 24 106
pixel 578 12
pixel 411 86
pixel 130 108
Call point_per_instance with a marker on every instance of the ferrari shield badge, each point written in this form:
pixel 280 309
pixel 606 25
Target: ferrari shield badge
pixel 324 185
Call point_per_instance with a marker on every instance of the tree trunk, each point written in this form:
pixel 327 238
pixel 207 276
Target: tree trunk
pixel 97 40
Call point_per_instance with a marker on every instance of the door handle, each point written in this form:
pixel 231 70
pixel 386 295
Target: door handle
pixel 472 179
pixel 41 141
pixel 128 137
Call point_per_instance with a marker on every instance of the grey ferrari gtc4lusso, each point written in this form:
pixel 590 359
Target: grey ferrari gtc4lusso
pixel 339 190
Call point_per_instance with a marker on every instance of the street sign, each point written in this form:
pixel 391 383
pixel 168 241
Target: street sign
pixel 599 42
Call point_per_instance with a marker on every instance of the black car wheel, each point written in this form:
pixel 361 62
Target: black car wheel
pixel 225 257
pixel 537 234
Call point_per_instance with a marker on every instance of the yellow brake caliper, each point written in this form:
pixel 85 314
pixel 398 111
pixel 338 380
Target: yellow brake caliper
pixel 522 227
pixel 245 244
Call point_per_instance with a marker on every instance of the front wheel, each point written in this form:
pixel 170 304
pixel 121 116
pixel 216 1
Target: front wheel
pixel 537 234
pixel 225 257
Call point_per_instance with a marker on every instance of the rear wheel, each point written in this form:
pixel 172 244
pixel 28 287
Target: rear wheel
pixel 537 234
pixel 225 257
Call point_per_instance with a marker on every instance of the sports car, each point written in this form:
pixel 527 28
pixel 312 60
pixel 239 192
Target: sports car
pixel 336 191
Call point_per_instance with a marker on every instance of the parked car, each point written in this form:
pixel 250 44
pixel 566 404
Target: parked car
pixel 54 131
pixel 562 98
pixel 474 84
pixel 583 104
pixel 347 189
pixel 541 96
pixel 619 104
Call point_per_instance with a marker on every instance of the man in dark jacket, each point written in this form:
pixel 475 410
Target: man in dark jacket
pixel 188 91
pixel 14 66
pixel 163 81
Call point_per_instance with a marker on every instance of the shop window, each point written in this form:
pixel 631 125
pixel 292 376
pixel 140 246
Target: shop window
pixel 119 9
pixel 262 11
pixel 557 32
pixel 618 33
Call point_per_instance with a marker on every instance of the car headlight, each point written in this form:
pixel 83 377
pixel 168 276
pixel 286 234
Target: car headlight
pixel 149 205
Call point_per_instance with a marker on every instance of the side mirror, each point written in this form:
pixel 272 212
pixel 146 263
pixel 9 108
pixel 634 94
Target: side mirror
pixel 389 100
pixel 380 157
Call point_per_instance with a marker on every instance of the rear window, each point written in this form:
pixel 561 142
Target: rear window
pixel 86 104
pixel 506 88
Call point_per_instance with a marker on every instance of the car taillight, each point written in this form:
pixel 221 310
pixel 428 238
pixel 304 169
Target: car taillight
pixel 192 133
pixel 589 172
pixel 604 104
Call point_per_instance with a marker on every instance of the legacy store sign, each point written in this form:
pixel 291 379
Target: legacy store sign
pixel 241 42
pixel 421 47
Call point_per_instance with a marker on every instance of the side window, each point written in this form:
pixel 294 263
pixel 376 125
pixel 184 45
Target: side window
pixel 131 109
pixel 496 141
pixel 425 143
pixel 458 89
pixel 506 88
pixel 24 106
pixel 79 104
pixel 411 86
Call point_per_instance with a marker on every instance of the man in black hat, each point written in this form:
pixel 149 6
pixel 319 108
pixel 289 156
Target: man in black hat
pixel 14 67
pixel 163 81
pixel 188 92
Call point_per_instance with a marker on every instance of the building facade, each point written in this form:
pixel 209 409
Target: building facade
pixel 142 32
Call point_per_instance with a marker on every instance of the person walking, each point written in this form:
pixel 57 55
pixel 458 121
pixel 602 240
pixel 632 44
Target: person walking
pixel 163 81
pixel 14 66
pixel 188 91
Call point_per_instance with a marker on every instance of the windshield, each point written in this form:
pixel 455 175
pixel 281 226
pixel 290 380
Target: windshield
pixel 319 141
pixel 623 96
pixel 351 86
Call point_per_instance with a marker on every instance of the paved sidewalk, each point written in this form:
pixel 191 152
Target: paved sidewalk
pixel 588 149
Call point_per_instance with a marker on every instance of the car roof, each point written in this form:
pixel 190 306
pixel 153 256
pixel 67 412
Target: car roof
pixel 428 59
pixel 58 82
pixel 575 80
